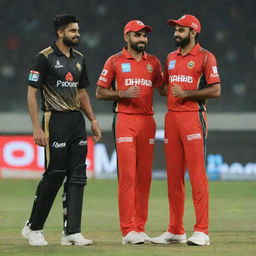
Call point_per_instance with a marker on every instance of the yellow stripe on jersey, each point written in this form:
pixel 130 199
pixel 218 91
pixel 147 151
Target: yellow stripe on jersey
pixel 47 51
pixel 47 116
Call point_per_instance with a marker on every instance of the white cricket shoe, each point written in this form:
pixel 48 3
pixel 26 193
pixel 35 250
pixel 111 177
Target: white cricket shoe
pixel 35 237
pixel 75 239
pixel 133 237
pixel 167 238
pixel 26 230
pixel 144 236
pixel 199 238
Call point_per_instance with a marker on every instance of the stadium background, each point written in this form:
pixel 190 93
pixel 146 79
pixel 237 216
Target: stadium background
pixel 228 31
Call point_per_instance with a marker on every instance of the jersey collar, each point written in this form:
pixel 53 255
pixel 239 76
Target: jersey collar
pixel 129 56
pixel 193 51
pixel 58 52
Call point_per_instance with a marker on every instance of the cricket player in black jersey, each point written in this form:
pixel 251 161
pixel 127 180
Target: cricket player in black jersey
pixel 60 73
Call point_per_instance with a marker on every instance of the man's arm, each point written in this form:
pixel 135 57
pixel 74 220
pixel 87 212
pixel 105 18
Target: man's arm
pixel 163 90
pixel 87 109
pixel 38 133
pixel 107 94
pixel 211 91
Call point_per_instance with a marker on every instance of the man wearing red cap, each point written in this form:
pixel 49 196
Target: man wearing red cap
pixel 191 76
pixel 129 78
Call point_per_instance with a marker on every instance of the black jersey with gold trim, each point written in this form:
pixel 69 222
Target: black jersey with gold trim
pixel 59 78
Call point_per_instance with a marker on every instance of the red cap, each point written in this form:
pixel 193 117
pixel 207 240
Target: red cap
pixel 136 25
pixel 187 21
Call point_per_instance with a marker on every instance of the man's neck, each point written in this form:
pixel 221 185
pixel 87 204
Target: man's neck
pixel 136 55
pixel 62 47
pixel 186 49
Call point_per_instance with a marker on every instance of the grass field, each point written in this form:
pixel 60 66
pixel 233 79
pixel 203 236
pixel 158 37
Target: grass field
pixel 232 217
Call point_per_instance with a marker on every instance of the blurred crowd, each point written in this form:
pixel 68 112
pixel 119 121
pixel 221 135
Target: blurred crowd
pixel 228 31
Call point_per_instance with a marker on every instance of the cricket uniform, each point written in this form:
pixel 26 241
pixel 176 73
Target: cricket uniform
pixel 186 133
pixel 134 132
pixel 59 78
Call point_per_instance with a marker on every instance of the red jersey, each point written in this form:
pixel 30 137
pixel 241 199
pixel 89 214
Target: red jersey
pixel 194 71
pixel 122 70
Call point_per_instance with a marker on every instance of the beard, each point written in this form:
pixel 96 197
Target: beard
pixel 183 42
pixel 69 42
pixel 136 47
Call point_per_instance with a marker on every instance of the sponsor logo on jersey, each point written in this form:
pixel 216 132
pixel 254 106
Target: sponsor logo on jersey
pixel 214 69
pixel 181 78
pixel 69 77
pixel 195 136
pixel 215 72
pixel 124 139
pixel 68 83
pixel 126 67
pixel 82 142
pixel 33 76
pixel 79 67
pixel 149 68
pixel 58 65
pixel 137 81
pixel 104 72
pixel 103 79
pixel 191 64
pixel 58 145
pixel 171 64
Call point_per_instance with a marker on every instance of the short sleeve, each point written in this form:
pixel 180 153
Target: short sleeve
pixel 158 81
pixel 210 69
pixel 166 75
pixel 107 75
pixel 84 80
pixel 38 71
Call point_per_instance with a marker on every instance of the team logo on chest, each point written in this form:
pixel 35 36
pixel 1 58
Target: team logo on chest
pixel 149 68
pixel 126 67
pixel 79 67
pixel 191 64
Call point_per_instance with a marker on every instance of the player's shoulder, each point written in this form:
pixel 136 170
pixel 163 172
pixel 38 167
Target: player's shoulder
pixel 77 52
pixel 152 57
pixel 205 52
pixel 173 53
pixel 115 57
pixel 47 51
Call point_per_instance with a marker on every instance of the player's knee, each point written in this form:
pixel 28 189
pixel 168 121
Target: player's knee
pixel 78 175
pixel 55 177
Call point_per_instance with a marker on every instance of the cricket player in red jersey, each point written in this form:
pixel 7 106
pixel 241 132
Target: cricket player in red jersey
pixel 129 78
pixel 191 77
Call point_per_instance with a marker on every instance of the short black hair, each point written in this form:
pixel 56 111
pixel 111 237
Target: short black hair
pixel 61 21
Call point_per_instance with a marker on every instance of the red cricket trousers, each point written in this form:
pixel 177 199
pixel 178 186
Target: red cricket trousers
pixel 134 136
pixel 185 137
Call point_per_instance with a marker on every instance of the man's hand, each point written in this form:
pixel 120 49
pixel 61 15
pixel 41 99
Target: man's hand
pixel 40 137
pixel 131 92
pixel 177 91
pixel 96 131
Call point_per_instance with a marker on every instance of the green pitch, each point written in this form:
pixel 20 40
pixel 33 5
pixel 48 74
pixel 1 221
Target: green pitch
pixel 232 221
